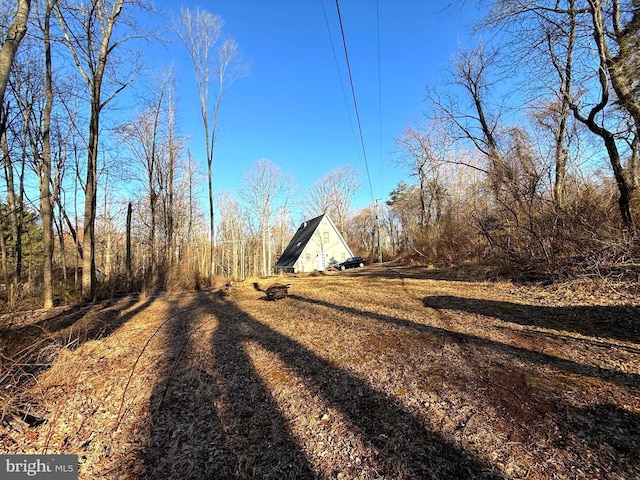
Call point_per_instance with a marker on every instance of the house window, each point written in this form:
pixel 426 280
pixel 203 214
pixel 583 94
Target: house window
pixel 326 237
pixel 308 257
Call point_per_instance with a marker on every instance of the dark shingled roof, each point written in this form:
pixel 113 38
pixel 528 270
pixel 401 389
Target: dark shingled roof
pixel 298 242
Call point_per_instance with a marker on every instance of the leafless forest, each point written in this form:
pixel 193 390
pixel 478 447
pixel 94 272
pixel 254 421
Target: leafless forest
pixel 537 177
pixel 524 170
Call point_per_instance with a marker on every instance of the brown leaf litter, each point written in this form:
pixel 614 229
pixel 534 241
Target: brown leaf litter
pixel 383 372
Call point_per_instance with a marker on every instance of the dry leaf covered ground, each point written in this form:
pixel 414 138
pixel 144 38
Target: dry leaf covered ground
pixel 382 372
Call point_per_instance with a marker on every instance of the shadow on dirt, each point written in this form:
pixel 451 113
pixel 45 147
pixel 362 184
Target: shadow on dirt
pixel 606 428
pixel 219 419
pixel 608 432
pixel 628 379
pixel 420 272
pixel 615 322
pixel 30 350
pixel 71 327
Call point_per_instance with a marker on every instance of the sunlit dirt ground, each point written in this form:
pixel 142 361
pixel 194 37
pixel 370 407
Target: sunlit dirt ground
pixel 382 372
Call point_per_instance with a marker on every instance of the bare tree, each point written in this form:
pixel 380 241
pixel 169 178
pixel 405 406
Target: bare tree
pixel 88 29
pixel 425 149
pixel 620 43
pixel 173 150
pixel 200 32
pixel 332 194
pixel 590 45
pixel 361 231
pixel 9 47
pixel 559 127
pixel 471 72
pixel 232 236
pixel 403 206
pixel 25 90
pixel 44 167
pixel 539 32
pixel 476 119
pixel 610 77
pixel 317 200
pixel 263 186
pixel 15 213
pixel 142 137
pixel 625 66
pixel 473 116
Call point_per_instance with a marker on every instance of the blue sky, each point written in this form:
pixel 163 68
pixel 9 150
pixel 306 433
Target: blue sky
pixel 291 107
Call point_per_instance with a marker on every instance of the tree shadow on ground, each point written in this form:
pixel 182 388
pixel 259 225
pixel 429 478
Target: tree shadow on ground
pixel 604 430
pixel 627 379
pixel 609 433
pixel 245 433
pixel 75 325
pixel 14 338
pixel 32 349
pixel 217 419
pixel 464 273
pixel 614 322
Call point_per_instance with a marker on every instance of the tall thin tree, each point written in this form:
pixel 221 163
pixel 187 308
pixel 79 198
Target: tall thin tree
pixel 44 170
pixel 88 30
pixel 200 32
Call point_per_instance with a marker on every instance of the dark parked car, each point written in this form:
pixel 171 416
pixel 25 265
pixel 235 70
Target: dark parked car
pixel 351 262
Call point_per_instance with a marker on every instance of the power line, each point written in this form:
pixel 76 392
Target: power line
pixel 353 93
pixel 335 58
pixel 379 93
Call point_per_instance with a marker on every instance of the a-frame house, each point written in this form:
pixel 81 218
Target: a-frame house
pixel 315 246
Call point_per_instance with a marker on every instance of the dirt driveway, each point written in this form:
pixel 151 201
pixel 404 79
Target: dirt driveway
pixel 385 372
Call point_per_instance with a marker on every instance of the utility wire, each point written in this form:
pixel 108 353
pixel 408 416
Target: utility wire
pixel 379 94
pixel 353 93
pixel 335 58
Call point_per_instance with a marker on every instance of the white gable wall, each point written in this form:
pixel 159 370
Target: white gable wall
pixel 326 242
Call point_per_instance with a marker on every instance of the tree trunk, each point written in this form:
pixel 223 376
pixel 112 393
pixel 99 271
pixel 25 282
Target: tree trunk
pixel 172 156
pixel 5 271
pixel 608 138
pixel 264 250
pixel 128 252
pixel 212 229
pixel 91 186
pixel 108 254
pixel 9 47
pixel 152 241
pixel 63 252
pixel 624 187
pixel 634 161
pixel 15 209
pixel 566 75
pixel 46 207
